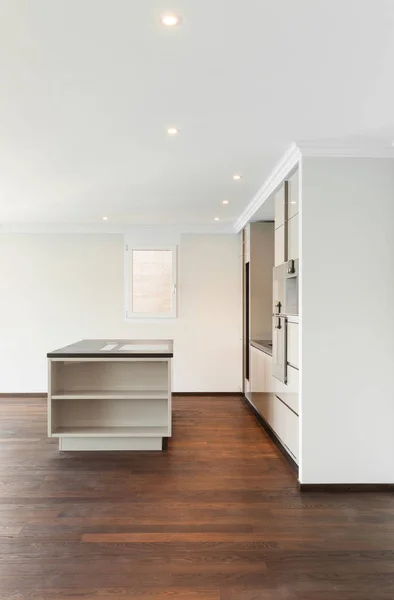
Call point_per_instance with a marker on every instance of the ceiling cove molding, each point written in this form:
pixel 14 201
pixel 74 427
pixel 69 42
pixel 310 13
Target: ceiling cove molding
pixel 107 229
pixel 181 229
pixel 308 149
pixel 286 164
pixel 335 149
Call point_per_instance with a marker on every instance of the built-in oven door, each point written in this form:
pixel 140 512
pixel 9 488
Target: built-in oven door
pixel 279 348
pixel 278 290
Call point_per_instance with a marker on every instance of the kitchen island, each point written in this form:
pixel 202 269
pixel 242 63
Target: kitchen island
pixel 110 395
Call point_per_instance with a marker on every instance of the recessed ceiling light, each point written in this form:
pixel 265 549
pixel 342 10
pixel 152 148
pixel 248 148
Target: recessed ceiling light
pixel 237 177
pixel 224 201
pixel 170 20
pixel 105 218
pixel 216 218
pixel 172 131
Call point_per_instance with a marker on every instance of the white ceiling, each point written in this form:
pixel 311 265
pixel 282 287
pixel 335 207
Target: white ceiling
pixel 88 87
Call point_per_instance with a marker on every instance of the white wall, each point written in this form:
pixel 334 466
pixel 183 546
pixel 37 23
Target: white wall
pixel 56 289
pixel 347 317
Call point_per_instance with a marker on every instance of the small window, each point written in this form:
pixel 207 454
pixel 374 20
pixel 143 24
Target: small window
pixel 150 282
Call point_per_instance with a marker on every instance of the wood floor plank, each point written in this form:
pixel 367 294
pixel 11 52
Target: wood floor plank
pixel 114 593
pixel 9 530
pixel 217 517
pixel 189 537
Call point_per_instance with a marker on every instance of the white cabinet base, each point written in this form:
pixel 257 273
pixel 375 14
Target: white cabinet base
pixel 110 403
pixel 286 427
pixel 265 397
pixel 68 444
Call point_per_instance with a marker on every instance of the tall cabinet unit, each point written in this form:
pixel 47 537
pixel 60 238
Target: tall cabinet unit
pixel 258 261
pixel 285 382
pixel 274 390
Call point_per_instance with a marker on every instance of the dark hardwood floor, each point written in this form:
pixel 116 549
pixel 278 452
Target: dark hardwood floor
pixel 217 517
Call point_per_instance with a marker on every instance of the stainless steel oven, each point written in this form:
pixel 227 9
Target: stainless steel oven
pixel 279 325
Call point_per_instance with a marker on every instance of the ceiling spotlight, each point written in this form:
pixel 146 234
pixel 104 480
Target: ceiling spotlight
pixel 216 218
pixel 172 131
pixel 237 177
pixel 224 201
pixel 170 20
pixel 105 218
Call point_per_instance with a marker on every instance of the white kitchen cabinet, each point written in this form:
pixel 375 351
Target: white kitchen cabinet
pixel 261 370
pixel 293 238
pixel 279 245
pixel 271 381
pixel 258 368
pixel 265 396
pixel 288 392
pixel 247 388
pixel 280 204
pixel 268 372
pixel 266 409
pixel 286 426
pixel 293 195
pixel 292 344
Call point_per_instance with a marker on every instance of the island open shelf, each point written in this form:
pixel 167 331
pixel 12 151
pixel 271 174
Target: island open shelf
pixel 110 395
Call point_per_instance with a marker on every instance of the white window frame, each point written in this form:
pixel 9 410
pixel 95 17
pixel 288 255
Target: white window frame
pixel 128 279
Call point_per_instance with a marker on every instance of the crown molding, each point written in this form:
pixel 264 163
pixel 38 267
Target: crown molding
pixel 300 149
pixel 182 229
pixel 107 229
pixel 282 169
pixel 335 149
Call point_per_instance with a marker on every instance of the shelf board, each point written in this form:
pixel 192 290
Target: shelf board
pixel 111 395
pixel 143 431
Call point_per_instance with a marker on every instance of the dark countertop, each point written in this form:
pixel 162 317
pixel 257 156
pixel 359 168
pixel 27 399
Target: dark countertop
pixel 263 345
pixel 116 349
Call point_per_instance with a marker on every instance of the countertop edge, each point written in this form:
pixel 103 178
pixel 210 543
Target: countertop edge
pixel 109 355
pixel 261 348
